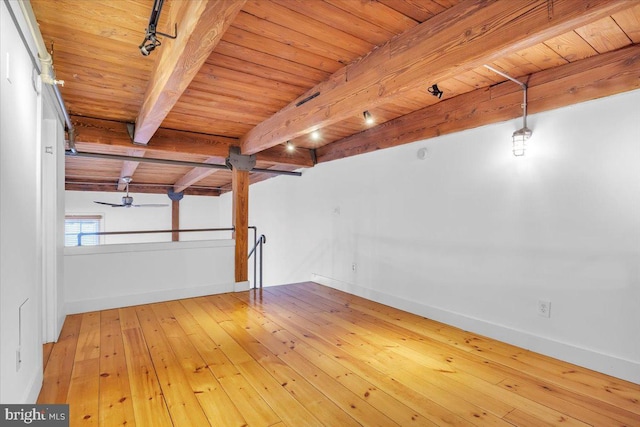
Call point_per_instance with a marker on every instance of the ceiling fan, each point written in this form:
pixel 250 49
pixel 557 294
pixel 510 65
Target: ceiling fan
pixel 127 201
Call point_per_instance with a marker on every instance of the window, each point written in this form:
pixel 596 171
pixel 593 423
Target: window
pixel 76 224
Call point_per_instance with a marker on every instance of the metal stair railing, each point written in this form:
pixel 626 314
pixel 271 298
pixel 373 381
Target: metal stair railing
pixel 259 242
pixel 117 233
pixel 257 247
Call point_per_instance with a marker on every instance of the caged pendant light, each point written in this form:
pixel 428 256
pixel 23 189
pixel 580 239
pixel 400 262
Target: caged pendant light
pixel 521 136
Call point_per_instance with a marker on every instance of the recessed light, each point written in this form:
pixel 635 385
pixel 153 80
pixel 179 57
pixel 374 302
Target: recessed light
pixel 368 118
pixel 290 146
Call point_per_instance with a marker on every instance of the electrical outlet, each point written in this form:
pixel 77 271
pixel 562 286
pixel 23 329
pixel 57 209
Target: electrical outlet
pixel 353 267
pixel 544 308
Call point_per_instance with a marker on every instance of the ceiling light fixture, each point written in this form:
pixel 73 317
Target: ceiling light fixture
pixel 290 147
pixel 315 135
pixel 151 41
pixel 368 118
pixel 521 136
pixel 435 91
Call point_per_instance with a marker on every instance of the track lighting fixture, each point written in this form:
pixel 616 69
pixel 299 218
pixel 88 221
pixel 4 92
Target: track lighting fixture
pixel 368 118
pixel 435 91
pixel 521 136
pixel 151 41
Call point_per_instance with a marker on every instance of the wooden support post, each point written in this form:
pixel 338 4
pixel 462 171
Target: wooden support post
pixel 240 189
pixel 175 220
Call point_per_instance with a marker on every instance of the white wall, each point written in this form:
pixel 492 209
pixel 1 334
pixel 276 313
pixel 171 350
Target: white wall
pixel 474 236
pixel 202 212
pixel 195 212
pixel 22 257
pixel 52 225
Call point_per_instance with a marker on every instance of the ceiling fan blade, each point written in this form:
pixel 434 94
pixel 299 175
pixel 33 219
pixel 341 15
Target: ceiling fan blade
pixel 113 205
pixel 151 205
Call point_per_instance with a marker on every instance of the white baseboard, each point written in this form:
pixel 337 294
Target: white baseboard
pixel 60 323
pixel 33 390
pixel 608 364
pixel 241 286
pixel 83 306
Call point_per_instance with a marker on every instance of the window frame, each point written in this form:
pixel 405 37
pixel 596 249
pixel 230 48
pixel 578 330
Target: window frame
pixel 88 218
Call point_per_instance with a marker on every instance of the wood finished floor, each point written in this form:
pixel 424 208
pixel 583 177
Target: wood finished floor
pixel 307 355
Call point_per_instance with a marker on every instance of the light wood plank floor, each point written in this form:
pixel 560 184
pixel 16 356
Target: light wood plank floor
pixel 307 355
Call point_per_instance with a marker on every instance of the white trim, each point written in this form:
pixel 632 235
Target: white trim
pixel 51 258
pixel 33 390
pixel 611 365
pixel 146 247
pixel 83 306
pixel 241 286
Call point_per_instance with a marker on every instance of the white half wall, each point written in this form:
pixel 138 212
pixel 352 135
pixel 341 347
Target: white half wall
pixel 475 237
pixel 110 276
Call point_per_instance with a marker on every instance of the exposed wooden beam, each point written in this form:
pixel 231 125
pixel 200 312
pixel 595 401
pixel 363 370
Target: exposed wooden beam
pixel 175 220
pixel 580 81
pixel 459 39
pixel 196 174
pixel 300 157
pixel 257 177
pixel 109 133
pixel 100 135
pixel 201 24
pixel 76 185
pixel 254 178
pixel 240 184
pixel 129 167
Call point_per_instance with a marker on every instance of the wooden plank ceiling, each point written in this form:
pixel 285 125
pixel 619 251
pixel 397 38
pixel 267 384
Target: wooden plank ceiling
pixel 238 70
